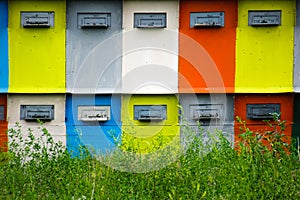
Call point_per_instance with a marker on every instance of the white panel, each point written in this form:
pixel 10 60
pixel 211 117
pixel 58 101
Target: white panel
pixel 150 56
pixel 56 127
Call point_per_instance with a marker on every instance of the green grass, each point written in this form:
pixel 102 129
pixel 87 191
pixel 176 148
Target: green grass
pixel 36 168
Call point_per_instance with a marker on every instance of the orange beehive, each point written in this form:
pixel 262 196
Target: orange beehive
pixel 207 54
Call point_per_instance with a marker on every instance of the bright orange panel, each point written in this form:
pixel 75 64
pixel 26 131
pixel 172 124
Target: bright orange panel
pixel 3 124
pixel 207 55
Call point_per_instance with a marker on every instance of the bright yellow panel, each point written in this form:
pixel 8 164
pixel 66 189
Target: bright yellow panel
pixel 264 55
pixel 37 55
pixel 144 137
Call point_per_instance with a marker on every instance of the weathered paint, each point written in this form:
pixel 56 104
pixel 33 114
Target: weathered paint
pixel 207 55
pixel 37 55
pixel 297 49
pixel 3 124
pixel 224 123
pixel 264 55
pixel 147 51
pixel 285 100
pixel 99 136
pixel 56 127
pixel 145 136
pixel 4 46
pixel 94 54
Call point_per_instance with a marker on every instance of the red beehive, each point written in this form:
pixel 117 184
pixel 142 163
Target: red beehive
pixel 3 123
pixel 252 108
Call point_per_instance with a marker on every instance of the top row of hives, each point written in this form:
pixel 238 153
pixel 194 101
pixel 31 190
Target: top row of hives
pixel 149 47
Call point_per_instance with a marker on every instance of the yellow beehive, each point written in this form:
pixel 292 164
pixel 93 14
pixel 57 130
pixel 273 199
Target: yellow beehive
pixel 264 54
pixel 37 55
pixel 149 136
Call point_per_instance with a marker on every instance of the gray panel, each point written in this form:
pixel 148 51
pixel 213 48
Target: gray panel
pixel 35 112
pixel 150 20
pixel 94 54
pixel 209 134
pixel 262 111
pixel 264 18
pixel 210 104
pixel 150 112
pixel 37 19
pixel 2 117
pixel 206 19
pixel 297 49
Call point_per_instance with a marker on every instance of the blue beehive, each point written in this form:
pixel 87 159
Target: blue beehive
pixel 4 47
pixel 93 121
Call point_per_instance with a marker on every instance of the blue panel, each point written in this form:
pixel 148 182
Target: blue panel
pixel 99 136
pixel 99 139
pixel 3 14
pixel 3 46
pixel 73 101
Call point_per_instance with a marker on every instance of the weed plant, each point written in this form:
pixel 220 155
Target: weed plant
pixel 39 168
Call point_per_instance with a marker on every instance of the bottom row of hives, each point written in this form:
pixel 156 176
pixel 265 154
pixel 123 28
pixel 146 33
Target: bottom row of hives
pixel 139 121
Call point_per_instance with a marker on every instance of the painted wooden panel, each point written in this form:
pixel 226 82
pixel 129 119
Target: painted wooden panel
pixel 297 49
pixel 286 102
pixel 149 139
pixel 99 136
pixel 145 136
pixel 98 139
pixel 150 55
pixel 3 122
pixel 94 54
pixel 37 55
pixel 264 54
pixel 207 54
pixel 4 46
pixel 56 126
pixel 214 112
